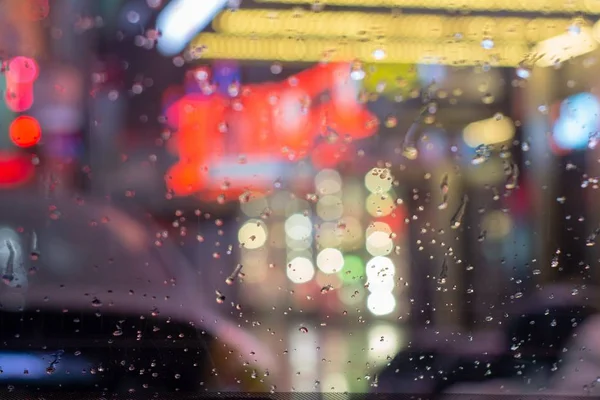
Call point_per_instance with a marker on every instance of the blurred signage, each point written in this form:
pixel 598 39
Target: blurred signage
pixel 242 140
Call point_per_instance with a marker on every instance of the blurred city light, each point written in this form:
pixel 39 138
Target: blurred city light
pixel 380 205
pixel 300 270
pixel 354 269
pixel 360 25
pixel 564 47
pixel 384 341
pixel 330 208
pixel 497 129
pixel 405 51
pixel 380 266
pixel 379 180
pixel 579 119
pixel 25 131
pixel 180 20
pixel 497 225
pixel 253 234
pixel 544 6
pixel 330 261
pixel 328 182
pixel 298 227
pixel 381 303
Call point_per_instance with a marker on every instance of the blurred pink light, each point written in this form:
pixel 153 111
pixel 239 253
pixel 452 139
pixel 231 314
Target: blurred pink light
pixel 21 73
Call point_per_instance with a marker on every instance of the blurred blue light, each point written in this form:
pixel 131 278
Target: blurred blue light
pixel 579 119
pixel 181 20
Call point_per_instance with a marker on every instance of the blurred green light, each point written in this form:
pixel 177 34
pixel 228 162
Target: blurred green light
pixel 354 269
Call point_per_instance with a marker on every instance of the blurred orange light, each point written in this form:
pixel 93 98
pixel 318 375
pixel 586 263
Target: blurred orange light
pixel 35 10
pixel 25 131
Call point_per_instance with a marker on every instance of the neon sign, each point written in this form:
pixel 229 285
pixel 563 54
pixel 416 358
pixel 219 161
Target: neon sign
pixel 221 138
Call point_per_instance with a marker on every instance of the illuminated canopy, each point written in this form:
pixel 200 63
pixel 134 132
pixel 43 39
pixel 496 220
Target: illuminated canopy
pixel 541 6
pixel 361 25
pixel 457 53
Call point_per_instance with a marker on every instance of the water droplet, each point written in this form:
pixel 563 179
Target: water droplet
pixel 96 303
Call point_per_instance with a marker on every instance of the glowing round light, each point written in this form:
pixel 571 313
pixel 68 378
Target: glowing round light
pixel 354 269
pixel 381 284
pixel 328 181
pixel 380 205
pixel 352 233
pixel 379 180
pixel 254 207
pixel 384 340
pixel 300 270
pixel 579 118
pixel 253 234
pixel 380 304
pixel 328 235
pixel 330 261
pixel 379 243
pixel 497 224
pixel 380 266
pixel 25 131
pixel 298 245
pixel 330 208
pixel 298 227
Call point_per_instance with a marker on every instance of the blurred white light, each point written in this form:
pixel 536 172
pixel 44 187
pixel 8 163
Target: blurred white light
pixel 330 261
pixel 378 267
pixel 328 181
pixel 379 243
pixel 300 270
pixel 181 20
pixel 383 303
pixel 379 180
pixel 381 284
pixel 253 234
pixel 303 244
pixel 298 227
pixel 384 340
pixel 330 208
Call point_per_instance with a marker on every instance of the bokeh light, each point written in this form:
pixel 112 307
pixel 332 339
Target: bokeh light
pixel 330 208
pixel 579 119
pixel 380 266
pixel 354 269
pixel 379 180
pixel 330 261
pixel 328 182
pixel 298 227
pixel 300 270
pixel 253 234
pixel 25 131
pixel 381 303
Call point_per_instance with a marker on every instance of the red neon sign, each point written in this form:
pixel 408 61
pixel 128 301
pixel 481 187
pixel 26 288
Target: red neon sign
pixel 266 124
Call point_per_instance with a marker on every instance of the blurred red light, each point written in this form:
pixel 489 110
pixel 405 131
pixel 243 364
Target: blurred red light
pixel 15 169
